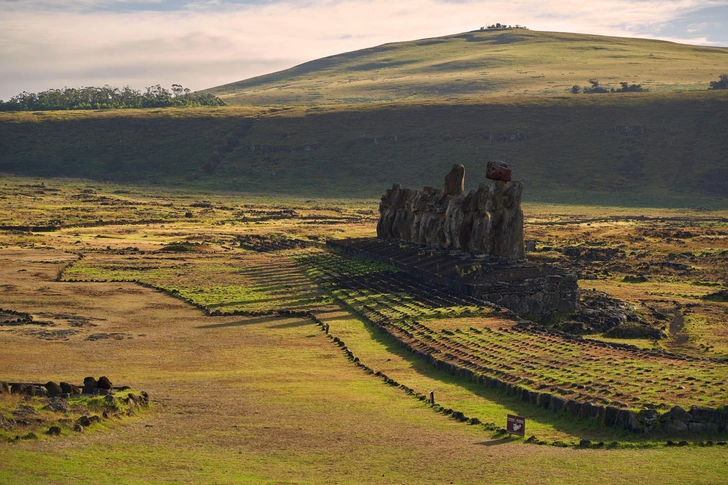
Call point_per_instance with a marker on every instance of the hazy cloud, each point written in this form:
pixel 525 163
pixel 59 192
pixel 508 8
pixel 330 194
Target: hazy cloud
pixel 45 44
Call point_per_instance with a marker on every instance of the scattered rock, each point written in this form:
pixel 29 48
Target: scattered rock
pixel 90 383
pixel 54 431
pixel 58 405
pixel 84 421
pixel 78 428
pixel 585 443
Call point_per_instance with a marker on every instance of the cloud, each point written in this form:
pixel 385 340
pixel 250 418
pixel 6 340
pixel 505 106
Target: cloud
pixel 203 44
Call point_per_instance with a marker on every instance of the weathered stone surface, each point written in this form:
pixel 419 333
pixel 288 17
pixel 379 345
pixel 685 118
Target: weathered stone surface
pixel 455 180
pixel 70 388
pixel 53 389
pixel 648 419
pixel 557 404
pixel 610 416
pixel 104 383
pixel 90 382
pixel 487 220
pixel 679 414
pixel 496 170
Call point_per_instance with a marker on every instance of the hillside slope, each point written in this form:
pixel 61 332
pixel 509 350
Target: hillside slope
pixel 642 149
pixel 481 64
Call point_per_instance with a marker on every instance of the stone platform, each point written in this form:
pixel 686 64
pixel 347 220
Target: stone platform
pixel 523 287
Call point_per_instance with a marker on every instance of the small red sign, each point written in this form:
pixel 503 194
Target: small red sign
pixel 516 425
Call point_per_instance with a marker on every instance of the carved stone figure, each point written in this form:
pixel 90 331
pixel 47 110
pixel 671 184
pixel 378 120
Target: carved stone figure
pixel 486 220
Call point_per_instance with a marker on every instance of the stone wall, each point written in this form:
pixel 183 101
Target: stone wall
pixel 523 287
pixel 487 220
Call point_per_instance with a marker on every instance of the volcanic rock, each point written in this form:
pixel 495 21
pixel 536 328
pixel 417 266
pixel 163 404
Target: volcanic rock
pixel 53 389
pixel 104 383
pixel 497 170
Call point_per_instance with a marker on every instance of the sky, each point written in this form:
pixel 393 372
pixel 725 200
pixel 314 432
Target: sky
pixel 48 44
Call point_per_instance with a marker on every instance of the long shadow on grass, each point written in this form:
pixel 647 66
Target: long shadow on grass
pixel 560 422
pixel 242 323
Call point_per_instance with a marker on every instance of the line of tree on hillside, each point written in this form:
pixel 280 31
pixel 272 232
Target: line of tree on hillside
pixel 596 88
pixel 107 97
pixel 500 26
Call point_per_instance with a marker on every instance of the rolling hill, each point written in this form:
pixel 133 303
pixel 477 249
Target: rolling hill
pixel 482 64
pixel 665 147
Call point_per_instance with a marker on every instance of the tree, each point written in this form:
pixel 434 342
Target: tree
pixel 721 83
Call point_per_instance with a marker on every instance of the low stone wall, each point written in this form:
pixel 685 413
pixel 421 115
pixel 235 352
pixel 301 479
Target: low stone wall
pixel 522 287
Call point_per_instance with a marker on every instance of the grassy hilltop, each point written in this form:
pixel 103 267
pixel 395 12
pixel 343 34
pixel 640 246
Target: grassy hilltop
pixel 481 64
pixel 655 148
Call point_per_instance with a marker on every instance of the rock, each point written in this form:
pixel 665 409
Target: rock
pixel 4 387
pixel 84 421
pixel 18 388
pixel 648 419
pixel 90 383
pixel 496 170
pixel 34 391
pixel 458 416
pixel 557 404
pixel 104 383
pixel 705 415
pixel 679 414
pixel 78 428
pixel 675 426
pixel 610 416
pixel 54 431
pixel 585 443
pixel 67 388
pixel 58 405
pixel 628 420
pixel 53 389
pixel 455 180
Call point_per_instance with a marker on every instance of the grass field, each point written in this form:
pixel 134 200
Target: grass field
pixel 482 64
pixel 271 399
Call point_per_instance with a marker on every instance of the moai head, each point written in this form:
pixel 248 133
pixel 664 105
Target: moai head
pixel 455 180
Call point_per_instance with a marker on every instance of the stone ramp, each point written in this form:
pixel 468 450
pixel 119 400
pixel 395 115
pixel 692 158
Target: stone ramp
pixel 525 288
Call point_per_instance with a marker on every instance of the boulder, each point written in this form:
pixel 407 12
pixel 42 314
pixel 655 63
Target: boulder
pixel 54 431
pixel 557 404
pixel 497 170
pixel 90 383
pixel 679 414
pixel 610 416
pixel 67 388
pixel 53 389
pixel 104 383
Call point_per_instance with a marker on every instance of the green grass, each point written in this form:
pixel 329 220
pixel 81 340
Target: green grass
pixel 478 65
